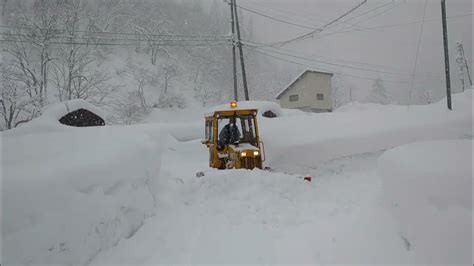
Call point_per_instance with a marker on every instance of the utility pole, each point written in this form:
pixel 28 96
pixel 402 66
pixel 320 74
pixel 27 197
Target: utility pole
pixel 234 62
pixel 239 43
pixel 466 65
pixel 446 54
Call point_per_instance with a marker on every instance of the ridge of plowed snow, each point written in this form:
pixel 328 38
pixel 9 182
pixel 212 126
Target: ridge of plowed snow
pixel 428 186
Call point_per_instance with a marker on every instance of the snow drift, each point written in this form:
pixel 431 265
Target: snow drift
pixel 72 192
pixel 428 186
pixel 315 138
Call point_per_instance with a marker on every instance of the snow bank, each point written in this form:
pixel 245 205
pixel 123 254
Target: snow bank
pixel 321 137
pixel 294 112
pixel 429 188
pixel 68 194
pixel 360 107
pixel 174 115
pixel 239 217
pixel 58 110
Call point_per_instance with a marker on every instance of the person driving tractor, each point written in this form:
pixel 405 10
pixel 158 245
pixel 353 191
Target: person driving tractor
pixel 232 137
pixel 229 134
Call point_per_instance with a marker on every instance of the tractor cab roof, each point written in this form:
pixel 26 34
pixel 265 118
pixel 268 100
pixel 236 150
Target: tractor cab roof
pixel 231 109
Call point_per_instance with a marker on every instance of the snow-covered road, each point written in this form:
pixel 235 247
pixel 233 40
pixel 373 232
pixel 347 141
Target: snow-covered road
pixel 262 217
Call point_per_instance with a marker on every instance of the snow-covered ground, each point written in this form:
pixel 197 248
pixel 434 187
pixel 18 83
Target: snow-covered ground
pixel 428 186
pixel 129 194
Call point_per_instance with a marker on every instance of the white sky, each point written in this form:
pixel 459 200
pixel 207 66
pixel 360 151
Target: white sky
pixel 394 47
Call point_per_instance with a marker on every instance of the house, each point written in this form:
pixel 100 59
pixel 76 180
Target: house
pixel 310 91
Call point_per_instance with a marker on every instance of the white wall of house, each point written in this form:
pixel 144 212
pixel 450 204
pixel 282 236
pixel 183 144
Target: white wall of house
pixel 307 88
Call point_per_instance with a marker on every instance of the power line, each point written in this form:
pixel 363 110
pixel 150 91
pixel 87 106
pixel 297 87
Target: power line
pixel 378 66
pixel 313 29
pixel 369 11
pixel 310 34
pixel 417 54
pixel 287 11
pixel 340 73
pixel 335 64
pixel 374 28
pixel 391 26
pixel 378 14
pixel 276 19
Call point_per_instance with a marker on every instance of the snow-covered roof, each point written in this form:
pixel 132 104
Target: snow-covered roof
pixel 61 109
pixel 298 77
pixel 261 106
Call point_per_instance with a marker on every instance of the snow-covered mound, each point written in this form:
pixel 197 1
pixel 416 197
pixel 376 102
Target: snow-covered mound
pixel 429 189
pixel 70 193
pixel 261 106
pixel 49 120
pixel 320 137
pixel 175 115
pixel 58 110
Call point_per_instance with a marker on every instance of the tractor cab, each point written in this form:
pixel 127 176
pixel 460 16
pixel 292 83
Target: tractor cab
pixel 232 136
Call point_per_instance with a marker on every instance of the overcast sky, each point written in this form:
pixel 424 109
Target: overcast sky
pixel 394 49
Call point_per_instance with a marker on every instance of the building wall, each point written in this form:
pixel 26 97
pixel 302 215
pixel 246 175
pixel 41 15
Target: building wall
pixel 307 88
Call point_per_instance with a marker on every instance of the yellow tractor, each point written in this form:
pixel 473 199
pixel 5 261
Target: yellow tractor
pixel 233 139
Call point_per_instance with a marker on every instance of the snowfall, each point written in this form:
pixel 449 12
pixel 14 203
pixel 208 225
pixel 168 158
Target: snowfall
pixel 390 184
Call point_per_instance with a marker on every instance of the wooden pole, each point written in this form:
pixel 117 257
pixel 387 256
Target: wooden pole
pixel 239 43
pixel 446 54
pixel 234 61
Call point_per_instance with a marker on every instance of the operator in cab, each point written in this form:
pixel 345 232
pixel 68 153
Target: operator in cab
pixel 230 134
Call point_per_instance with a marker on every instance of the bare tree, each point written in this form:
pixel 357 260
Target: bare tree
pixel 128 108
pixel 150 33
pixel 169 72
pixel 143 78
pixel 31 51
pixel 16 106
pixel 76 73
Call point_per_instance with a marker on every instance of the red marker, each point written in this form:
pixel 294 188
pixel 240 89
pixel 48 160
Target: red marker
pixel 307 178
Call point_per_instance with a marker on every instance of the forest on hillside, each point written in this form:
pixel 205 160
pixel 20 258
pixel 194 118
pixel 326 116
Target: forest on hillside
pixel 125 56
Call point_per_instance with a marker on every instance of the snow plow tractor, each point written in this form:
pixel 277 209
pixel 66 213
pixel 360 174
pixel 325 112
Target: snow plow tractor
pixel 232 138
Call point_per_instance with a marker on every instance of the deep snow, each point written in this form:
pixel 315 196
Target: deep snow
pixel 71 193
pixel 79 195
pixel 428 186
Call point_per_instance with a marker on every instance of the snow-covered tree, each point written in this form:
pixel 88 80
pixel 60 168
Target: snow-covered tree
pixel 379 93
pixel 61 48
pixel 76 72
pixel 16 105
pixel 143 78
pixel 340 92
pixel 30 50
pixel 461 64
pixel 128 108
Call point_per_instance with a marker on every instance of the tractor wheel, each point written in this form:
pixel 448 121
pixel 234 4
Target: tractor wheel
pixel 229 165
